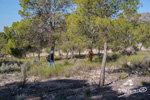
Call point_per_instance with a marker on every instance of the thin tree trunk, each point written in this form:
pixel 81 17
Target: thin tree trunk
pixel 99 50
pixel 141 46
pixel 59 53
pixel 92 46
pixel 25 56
pixel 33 54
pixel 72 53
pixel 67 54
pixel 79 52
pixel 39 55
pixel 53 45
pixel 102 74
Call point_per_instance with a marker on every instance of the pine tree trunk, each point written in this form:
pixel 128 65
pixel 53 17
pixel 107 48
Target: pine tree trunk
pixel 141 46
pixel 99 50
pixel 4 55
pixel 25 56
pixel 39 55
pixel 92 46
pixel 67 55
pixel 72 53
pixel 59 53
pixel 102 74
pixel 79 52
pixel 33 54
pixel 53 45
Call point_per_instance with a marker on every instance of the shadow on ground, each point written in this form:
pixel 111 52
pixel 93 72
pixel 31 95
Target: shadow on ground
pixel 140 69
pixel 65 89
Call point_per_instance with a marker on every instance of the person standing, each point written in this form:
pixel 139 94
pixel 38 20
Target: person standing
pixel 51 59
pixel 90 55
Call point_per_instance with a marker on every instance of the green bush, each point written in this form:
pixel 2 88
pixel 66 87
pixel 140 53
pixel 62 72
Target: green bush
pixel 88 93
pixel 146 73
pixel 39 94
pixel 9 68
pixel 66 63
pixel 67 75
pixel 125 65
pixel 142 82
pixel 122 76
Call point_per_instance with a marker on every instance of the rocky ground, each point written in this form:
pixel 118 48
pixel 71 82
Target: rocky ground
pixel 83 86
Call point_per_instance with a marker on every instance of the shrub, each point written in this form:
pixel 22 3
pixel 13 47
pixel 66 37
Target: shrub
pixel 146 73
pixel 9 68
pixel 122 76
pixel 112 57
pixel 88 93
pixel 21 97
pixel 15 65
pixel 67 75
pixel 142 82
pixel 34 61
pixel 2 76
pixel 24 75
pixel 39 94
pixel 125 65
pixel 3 65
pixel 125 52
pixel 66 63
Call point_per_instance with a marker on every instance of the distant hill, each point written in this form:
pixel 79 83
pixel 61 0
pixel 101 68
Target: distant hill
pixel 145 18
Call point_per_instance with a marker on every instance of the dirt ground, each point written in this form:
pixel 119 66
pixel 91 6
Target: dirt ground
pixel 83 86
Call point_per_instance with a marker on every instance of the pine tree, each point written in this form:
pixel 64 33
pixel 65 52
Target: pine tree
pixel 51 13
pixel 104 11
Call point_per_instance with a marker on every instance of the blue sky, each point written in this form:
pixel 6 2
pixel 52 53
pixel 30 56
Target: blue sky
pixel 9 11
